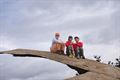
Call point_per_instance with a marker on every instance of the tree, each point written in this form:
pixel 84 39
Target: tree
pixel 110 63
pixel 117 64
pixel 97 58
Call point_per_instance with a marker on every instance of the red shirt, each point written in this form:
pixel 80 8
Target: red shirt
pixel 68 43
pixel 79 44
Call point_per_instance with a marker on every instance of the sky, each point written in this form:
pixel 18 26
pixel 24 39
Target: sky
pixel 31 24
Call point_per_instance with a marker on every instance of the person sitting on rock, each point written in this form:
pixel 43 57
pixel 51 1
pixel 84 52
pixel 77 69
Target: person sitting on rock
pixel 78 48
pixel 69 47
pixel 58 45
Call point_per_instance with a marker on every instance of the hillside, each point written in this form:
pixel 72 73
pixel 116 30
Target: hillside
pixel 87 69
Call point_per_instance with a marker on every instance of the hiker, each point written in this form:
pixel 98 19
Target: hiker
pixel 78 48
pixel 58 45
pixel 69 47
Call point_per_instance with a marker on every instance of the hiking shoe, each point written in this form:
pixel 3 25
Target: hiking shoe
pixel 62 52
pixel 58 52
pixel 70 56
pixel 73 56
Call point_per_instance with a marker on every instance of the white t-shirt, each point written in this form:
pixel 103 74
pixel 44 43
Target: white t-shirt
pixel 56 40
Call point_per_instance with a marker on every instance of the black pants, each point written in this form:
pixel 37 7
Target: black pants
pixel 79 53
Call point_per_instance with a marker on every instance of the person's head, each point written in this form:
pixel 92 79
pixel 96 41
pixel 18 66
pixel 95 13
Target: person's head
pixel 76 39
pixel 57 35
pixel 70 38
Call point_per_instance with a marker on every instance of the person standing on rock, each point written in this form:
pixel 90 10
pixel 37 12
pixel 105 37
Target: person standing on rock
pixel 78 48
pixel 69 47
pixel 58 45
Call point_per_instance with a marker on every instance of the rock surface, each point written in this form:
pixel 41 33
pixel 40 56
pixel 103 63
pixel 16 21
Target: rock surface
pixel 88 69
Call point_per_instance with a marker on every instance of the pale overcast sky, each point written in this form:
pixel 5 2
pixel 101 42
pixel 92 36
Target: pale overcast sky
pixel 32 24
